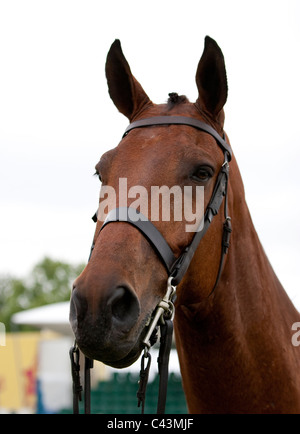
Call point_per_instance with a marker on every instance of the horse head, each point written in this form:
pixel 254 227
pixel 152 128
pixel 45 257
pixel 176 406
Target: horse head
pixel 114 297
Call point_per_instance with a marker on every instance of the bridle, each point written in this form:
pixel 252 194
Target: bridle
pixel 176 267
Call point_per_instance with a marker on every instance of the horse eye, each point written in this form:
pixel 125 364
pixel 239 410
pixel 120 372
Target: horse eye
pixel 202 174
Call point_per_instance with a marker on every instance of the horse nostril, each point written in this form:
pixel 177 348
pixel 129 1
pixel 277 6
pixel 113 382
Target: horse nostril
pixel 125 307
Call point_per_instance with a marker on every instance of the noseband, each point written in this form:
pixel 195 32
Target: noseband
pixel 176 267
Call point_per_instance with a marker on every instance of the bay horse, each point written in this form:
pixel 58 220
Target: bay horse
pixel 234 343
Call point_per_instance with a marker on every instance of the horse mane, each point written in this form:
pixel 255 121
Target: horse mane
pixel 175 99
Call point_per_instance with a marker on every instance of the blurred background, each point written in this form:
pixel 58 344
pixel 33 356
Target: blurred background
pixel 56 120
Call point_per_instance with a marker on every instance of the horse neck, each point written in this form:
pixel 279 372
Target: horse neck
pixel 248 274
pixel 238 329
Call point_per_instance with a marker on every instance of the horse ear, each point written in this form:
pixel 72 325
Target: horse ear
pixel 125 91
pixel 211 79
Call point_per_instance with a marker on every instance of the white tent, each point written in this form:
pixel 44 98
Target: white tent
pixel 52 316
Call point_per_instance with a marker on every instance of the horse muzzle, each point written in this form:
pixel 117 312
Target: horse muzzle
pixel 106 330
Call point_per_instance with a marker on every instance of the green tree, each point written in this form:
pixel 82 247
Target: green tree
pixel 49 282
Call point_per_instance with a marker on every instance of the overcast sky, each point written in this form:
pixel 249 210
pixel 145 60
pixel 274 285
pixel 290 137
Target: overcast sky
pixel 56 118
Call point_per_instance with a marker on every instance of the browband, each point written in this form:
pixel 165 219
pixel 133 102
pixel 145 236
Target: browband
pixel 181 120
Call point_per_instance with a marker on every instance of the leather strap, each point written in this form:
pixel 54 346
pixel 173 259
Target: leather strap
pixel 166 330
pixel 137 219
pixel 75 370
pixel 181 120
pixel 143 382
pixel 88 365
pixel 220 190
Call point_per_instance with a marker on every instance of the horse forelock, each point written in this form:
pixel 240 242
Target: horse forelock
pixel 175 99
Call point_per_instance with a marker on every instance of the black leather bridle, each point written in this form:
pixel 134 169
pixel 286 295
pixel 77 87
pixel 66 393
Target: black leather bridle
pixel 176 267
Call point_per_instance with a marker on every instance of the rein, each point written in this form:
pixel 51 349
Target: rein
pixel 176 267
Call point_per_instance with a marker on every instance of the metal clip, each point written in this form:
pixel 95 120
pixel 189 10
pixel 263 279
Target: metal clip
pixel 164 308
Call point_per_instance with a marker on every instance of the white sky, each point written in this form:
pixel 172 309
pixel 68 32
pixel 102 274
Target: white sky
pixel 56 118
